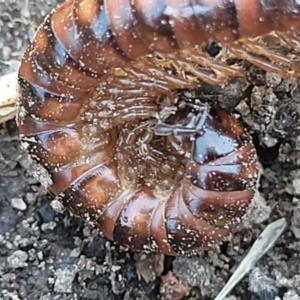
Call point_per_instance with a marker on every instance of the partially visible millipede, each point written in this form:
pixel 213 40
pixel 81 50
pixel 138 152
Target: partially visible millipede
pixel 101 112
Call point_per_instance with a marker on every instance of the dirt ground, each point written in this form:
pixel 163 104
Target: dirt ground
pixel 47 255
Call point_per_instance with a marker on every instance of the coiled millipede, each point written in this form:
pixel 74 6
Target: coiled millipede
pixel 101 111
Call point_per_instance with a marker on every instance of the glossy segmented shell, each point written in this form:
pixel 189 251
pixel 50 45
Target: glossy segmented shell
pixel 100 75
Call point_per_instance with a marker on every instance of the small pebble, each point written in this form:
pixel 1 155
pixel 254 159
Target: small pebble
pixel 6 52
pixel 19 204
pixel 18 259
pixel 64 279
pixel 262 285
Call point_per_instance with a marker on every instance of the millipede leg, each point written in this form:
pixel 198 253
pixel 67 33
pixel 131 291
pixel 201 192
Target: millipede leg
pixel 133 113
pixel 258 61
pixel 264 59
pixel 156 74
pixel 223 71
pixel 208 76
pixel 290 41
pixel 140 136
pixel 164 129
pixel 253 47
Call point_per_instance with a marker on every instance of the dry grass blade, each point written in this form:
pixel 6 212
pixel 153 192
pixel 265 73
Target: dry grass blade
pixel 262 245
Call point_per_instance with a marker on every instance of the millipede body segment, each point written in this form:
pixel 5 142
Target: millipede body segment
pixel 101 111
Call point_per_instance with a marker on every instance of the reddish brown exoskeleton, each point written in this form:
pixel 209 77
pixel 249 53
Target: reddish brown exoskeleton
pixel 100 112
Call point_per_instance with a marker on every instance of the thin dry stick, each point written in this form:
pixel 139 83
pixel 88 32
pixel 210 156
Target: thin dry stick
pixel 262 245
